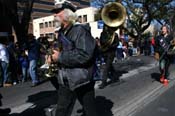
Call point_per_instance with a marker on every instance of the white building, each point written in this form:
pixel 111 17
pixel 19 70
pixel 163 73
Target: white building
pixel 45 26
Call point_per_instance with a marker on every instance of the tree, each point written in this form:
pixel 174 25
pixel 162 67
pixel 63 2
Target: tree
pixel 100 3
pixel 141 15
pixel 139 19
pixel 19 23
pixel 163 12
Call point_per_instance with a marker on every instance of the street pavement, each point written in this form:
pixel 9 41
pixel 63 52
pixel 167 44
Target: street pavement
pixel 163 106
pixel 139 86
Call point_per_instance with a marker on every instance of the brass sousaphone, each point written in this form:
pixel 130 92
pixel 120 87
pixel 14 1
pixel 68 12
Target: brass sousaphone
pixel 113 14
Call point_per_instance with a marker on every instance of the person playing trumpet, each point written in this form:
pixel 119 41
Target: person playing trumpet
pixel 75 63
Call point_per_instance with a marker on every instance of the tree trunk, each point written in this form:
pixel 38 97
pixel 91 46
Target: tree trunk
pixel 10 19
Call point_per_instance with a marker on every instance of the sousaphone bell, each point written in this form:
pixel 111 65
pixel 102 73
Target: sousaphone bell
pixel 113 15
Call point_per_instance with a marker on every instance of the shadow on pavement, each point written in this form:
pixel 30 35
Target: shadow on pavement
pixel 128 65
pixel 156 76
pixel 41 101
pixel 4 111
pixel 104 106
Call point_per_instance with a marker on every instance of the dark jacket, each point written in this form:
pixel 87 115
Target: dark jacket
pixel 33 50
pixel 104 40
pixel 76 62
pixel 162 43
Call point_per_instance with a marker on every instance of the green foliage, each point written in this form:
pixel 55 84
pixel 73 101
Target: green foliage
pixel 100 3
pixel 141 15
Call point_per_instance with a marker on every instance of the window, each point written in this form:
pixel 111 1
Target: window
pixel 41 35
pixel 50 24
pixel 84 18
pixel 46 24
pixel 41 25
pixel 53 22
pixel 79 19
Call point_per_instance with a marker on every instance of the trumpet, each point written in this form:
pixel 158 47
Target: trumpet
pixel 51 68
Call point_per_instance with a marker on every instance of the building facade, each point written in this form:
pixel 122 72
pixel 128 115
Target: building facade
pixel 79 3
pixel 45 26
pixel 42 8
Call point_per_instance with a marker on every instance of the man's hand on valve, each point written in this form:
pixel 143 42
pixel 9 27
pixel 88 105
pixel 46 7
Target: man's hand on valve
pixel 53 58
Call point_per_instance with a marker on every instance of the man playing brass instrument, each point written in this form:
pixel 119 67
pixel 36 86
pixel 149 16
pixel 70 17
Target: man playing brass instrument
pixel 108 54
pixel 75 63
pixel 162 45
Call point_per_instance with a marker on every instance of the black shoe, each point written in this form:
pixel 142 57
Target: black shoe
pixel 5 111
pixel 35 84
pixel 115 80
pixel 103 85
pixel 1 85
pixel 80 110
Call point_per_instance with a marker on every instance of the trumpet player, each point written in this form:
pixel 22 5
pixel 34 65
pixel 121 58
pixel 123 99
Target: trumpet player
pixel 162 45
pixel 75 63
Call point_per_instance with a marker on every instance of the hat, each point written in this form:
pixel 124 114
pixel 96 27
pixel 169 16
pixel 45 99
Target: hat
pixel 65 5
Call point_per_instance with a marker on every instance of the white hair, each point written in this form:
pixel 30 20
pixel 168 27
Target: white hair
pixel 70 16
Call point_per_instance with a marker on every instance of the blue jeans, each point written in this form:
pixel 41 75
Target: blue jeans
pixel 152 50
pixel 24 73
pixel 164 67
pixel 33 71
pixel 5 72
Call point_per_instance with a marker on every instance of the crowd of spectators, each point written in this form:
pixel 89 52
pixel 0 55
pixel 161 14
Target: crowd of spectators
pixel 21 63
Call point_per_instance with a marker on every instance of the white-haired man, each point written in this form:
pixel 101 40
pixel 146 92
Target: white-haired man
pixel 75 61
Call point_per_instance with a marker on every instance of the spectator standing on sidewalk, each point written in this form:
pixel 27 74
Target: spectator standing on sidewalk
pixel 4 59
pixel 13 60
pixel 119 51
pixel 162 42
pixel 33 56
pixel 152 42
pixel 76 61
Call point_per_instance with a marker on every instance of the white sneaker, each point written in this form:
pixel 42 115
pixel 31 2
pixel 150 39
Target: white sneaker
pixel 14 83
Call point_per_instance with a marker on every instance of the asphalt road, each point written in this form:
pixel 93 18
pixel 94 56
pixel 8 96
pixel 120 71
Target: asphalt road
pixel 139 76
pixel 164 105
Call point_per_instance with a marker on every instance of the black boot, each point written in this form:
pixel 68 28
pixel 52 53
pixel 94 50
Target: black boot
pixel 5 111
pixel 102 85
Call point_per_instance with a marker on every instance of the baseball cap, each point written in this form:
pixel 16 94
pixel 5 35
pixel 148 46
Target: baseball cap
pixel 64 5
